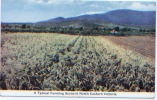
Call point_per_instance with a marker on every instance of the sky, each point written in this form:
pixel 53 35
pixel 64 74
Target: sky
pixel 39 10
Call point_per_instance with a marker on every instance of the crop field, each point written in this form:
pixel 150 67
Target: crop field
pixel 51 61
pixel 145 45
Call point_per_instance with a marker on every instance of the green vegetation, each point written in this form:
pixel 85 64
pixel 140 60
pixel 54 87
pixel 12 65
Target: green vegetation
pixel 72 63
pixel 117 31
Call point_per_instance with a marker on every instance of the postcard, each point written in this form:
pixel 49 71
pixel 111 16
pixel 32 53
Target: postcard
pixel 78 48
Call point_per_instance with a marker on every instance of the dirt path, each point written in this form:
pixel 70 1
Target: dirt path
pixel 144 45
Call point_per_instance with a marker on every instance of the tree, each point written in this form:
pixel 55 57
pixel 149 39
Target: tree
pixel 28 26
pixel 23 26
pixel 124 29
pixel 81 29
pixel 116 28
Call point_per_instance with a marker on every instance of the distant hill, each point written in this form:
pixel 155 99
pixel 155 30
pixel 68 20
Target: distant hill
pixel 131 17
pixel 120 17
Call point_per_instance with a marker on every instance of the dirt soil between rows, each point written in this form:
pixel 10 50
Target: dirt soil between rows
pixel 144 45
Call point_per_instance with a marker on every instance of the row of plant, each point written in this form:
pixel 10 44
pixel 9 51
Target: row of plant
pixel 82 64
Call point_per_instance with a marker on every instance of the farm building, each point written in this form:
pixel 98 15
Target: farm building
pixel 114 31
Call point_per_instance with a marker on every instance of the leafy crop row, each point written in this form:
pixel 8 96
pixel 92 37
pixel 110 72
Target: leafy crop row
pixel 74 63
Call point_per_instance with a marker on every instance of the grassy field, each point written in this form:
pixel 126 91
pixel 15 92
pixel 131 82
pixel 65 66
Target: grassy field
pixel 49 61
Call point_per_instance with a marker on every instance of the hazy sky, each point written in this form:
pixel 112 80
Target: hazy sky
pixel 37 10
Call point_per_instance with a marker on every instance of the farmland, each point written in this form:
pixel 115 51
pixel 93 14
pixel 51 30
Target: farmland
pixel 51 61
pixel 145 45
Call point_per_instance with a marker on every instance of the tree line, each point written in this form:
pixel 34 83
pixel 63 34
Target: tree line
pixel 78 30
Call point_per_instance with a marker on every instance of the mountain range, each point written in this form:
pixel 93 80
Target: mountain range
pixel 116 17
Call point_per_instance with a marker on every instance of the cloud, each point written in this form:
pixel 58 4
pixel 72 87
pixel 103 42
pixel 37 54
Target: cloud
pixel 141 6
pixel 54 1
pixel 92 12
pixel 95 6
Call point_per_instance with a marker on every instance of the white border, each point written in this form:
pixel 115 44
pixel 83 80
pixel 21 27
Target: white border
pixel 76 94
pixel 16 95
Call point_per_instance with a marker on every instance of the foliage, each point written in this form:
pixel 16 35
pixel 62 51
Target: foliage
pixel 122 31
pixel 72 63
